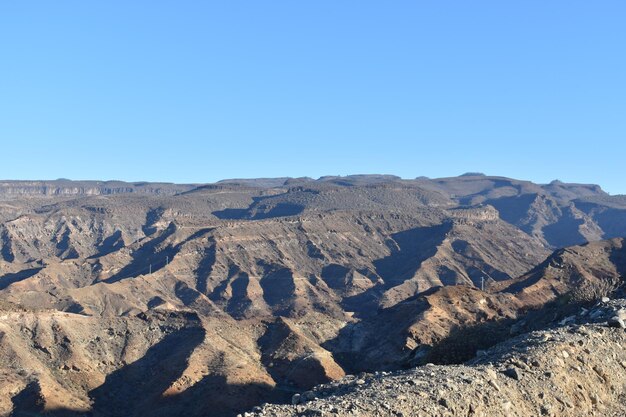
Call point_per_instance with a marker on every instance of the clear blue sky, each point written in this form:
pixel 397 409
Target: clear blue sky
pixel 195 91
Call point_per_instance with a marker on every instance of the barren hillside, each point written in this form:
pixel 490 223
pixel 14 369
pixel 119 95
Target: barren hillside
pixel 136 299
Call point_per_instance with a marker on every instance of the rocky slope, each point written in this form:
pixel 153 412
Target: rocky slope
pixel 250 290
pixel 574 275
pixel 576 369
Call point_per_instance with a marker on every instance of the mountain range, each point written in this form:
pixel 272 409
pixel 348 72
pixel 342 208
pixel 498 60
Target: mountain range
pixel 132 299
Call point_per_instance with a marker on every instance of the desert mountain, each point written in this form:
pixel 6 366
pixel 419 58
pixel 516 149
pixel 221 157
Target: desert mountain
pixel 162 299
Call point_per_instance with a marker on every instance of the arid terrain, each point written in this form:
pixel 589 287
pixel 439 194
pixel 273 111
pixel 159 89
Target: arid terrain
pixel 137 299
pixel 574 367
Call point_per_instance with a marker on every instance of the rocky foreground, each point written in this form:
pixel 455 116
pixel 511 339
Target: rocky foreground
pixel 576 368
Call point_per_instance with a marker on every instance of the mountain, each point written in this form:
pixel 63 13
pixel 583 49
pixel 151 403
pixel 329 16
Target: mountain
pixel 208 299
pixel 569 277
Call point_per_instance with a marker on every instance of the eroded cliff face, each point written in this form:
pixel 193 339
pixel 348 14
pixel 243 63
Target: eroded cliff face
pixel 64 188
pixel 247 293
